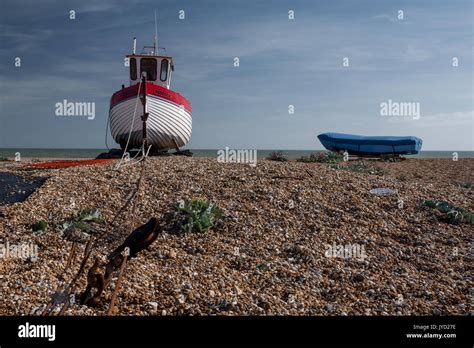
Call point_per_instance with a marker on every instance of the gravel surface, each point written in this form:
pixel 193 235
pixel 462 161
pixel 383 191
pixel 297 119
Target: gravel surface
pixel 269 255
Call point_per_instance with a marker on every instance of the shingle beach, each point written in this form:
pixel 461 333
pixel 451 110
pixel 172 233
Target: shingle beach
pixel 269 255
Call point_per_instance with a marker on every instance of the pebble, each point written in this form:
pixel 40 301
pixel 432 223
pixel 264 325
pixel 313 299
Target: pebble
pixel 328 307
pixel 152 306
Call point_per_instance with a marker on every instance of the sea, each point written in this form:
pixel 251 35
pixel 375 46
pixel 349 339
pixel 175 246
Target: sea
pixel 290 154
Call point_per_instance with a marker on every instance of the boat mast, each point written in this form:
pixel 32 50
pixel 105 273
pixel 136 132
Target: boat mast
pixel 155 42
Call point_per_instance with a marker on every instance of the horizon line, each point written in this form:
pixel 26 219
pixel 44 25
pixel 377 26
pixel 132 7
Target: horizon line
pixel 196 149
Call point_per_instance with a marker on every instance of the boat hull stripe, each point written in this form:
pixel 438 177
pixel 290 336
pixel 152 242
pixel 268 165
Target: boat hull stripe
pixel 151 89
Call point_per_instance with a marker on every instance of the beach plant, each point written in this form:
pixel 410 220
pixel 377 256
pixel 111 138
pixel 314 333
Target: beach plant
pixel 39 226
pixel 359 167
pixel 82 221
pixel 333 157
pixel 462 184
pixel 90 214
pixel 197 215
pixel 278 156
pixel 323 157
pixel 312 158
pixel 263 266
pixel 449 213
pixel 81 225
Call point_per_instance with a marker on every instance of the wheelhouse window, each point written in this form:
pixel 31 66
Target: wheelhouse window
pixel 164 70
pixel 133 69
pixel 148 65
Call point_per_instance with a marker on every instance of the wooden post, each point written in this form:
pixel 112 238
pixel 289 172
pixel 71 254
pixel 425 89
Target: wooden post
pixel 119 282
pixel 72 254
pixel 72 286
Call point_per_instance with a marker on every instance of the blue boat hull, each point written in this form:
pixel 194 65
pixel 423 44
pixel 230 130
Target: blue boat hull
pixel 373 145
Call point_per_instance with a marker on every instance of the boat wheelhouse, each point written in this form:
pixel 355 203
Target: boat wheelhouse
pixel 168 113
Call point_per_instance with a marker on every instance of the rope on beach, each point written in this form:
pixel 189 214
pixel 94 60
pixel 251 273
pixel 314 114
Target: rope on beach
pixel 132 160
pixel 132 196
pixel 71 288
pixel 131 126
pixel 132 221
pixel 87 252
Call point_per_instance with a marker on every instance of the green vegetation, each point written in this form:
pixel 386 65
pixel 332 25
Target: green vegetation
pixel 197 215
pixel 277 156
pixel 90 214
pixel 336 161
pixel 39 226
pixel 449 213
pixel 333 158
pixel 462 184
pixel 263 266
pixel 358 167
pixel 314 157
pixel 82 220
pixel 324 157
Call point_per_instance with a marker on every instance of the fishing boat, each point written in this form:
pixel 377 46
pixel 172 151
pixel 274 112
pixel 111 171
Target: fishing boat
pixel 371 145
pixel 148 110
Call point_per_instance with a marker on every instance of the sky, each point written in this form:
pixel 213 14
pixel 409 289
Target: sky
pixel 284 64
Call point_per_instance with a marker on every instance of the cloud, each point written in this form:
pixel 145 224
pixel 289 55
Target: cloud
pixel 457 118
pixel 414 54
pixel 19 39
pixel 390 18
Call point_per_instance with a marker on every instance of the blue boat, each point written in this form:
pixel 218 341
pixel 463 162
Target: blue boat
pixel 372 145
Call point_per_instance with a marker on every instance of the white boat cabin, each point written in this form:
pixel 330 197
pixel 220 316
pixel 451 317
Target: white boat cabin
pixel 158 69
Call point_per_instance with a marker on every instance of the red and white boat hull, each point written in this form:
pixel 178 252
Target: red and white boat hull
pixel 169 117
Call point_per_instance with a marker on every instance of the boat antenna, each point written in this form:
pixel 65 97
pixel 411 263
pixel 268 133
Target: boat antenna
pixel 155 43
